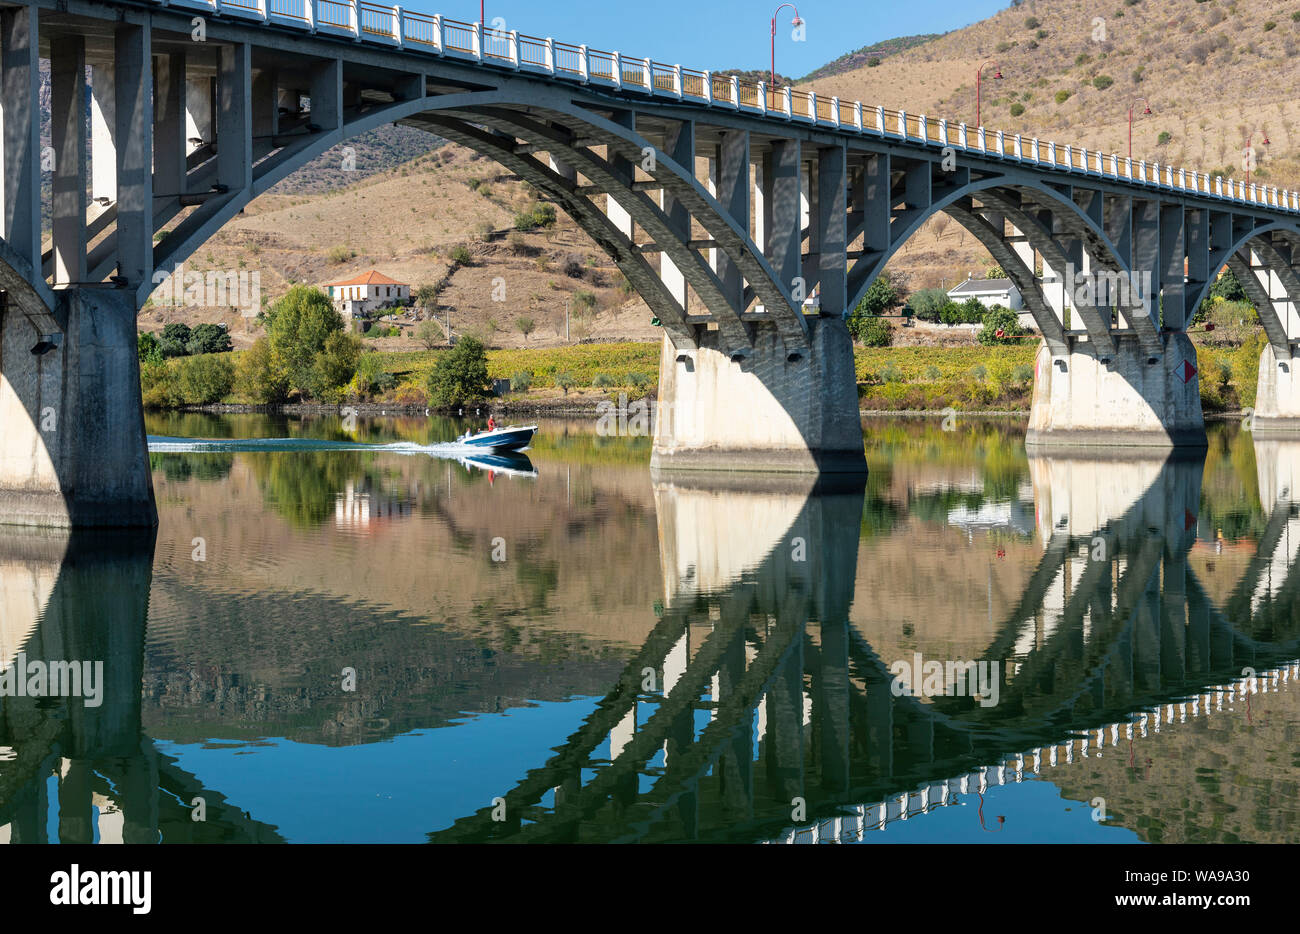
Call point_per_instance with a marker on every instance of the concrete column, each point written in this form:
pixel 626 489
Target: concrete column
pixel 327 95
pixel 679 145
pixel 831 712
pixel 798 415
pixel 875 204
pixel 1173 254
pixel 1146 255
pixel 68 133
pixel 103 129
pixel 265 104
pixel 733 195
pixel 625 172
pixel 783 207
pixel 75 823
pixel 74 451
pixel 832 224
pixel 134 120
pixel 1134 401
pixel 200 129
pixel 169 123
pixel 234 117
pixel 20 149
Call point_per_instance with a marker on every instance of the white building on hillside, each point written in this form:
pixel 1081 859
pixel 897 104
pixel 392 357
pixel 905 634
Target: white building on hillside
pixel 368 291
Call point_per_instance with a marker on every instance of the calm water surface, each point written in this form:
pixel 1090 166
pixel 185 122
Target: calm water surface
pixel 333 641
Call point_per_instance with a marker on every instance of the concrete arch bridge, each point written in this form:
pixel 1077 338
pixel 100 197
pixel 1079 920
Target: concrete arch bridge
pixel 725 203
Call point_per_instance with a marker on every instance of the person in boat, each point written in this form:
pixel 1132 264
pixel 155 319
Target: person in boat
pixel 492 423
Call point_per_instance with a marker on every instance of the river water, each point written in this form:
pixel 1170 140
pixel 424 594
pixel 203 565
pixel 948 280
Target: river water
pixel 341 634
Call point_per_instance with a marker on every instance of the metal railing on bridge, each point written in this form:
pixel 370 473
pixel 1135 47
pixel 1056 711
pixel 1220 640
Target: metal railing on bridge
pixel 373 22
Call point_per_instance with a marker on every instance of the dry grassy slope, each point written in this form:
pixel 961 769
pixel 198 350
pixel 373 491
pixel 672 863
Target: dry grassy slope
pixel 405 222
pixel 1211 71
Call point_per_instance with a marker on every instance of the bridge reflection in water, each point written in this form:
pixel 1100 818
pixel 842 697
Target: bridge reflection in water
pixel 755 710
pixel 83 596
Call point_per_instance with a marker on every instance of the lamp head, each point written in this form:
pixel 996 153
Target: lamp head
pixel 796 22
pixel 998 75
pixel 1147 111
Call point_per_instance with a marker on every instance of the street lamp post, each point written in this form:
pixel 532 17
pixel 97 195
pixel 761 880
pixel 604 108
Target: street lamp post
pixel 1250 153
pixel 979 72
pixel 1146 110
pixel 796 22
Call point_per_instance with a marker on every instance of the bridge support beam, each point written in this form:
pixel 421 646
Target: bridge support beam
pixel 772 410
pixel 1129 399
pixel 1277 397
pixel 74 451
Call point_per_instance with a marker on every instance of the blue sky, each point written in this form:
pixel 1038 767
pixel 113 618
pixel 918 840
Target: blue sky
pixel 721 33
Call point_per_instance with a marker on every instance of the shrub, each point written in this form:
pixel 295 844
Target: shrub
pixel 932 372
pixel 429 334
pixel 339 254
pixel 460 375
pixel 926 304
pixel 638 380
pixel 876 332
pixel 1017 109
pixel 147 348
pixel 1022 373
pixel 979 372
pixel 484 231
pixel 1062 96
pixel 459 254
pixel 426 296
pixel 873 63
pixel 518 245
pixel 603 381
pixel 1163 138
pixel 1000 324
pixel 1032 22
pixel 258 378
pixel 1102 82
pixel 564 379
pixel 584 299
pixel 1041 34
pixel 521 381
pixel 525 325
pixel 891 374
pixel 205 379
pixel 1270 26
pixel 573 265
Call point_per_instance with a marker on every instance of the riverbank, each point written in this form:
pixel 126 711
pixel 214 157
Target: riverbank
pixel 899 380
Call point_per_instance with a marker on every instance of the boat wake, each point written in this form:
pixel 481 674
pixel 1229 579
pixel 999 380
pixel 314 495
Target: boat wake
pixel 513 463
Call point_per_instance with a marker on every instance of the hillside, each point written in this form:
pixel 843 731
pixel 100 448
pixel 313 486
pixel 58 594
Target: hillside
pixel 1214 72
pixel 865 56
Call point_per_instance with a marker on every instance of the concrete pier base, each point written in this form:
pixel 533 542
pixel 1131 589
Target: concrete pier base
pixel 775 410
pixel 1128 400
pixel 74 451
pixel 1277 396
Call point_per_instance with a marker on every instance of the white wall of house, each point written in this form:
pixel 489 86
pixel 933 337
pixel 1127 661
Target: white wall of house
pixel 366 298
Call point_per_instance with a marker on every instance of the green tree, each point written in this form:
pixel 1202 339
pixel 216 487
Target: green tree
pixel 565 380
pixel 174 338
pixel 209 338
pixel 460 375
pixel 332 369
pixel 926 304
pixel 429 334
pixel 876 333
pixel 525 325
pixel 426 296
pixel 299 325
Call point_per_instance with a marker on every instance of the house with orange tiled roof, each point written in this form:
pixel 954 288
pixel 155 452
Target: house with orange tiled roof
pixel 368 291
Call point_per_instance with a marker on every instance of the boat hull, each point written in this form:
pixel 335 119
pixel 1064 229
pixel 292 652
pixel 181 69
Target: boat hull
pixel 503 439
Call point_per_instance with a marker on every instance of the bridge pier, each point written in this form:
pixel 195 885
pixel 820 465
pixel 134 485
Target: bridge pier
pixel 773 409
pixel 1277 396
pixel 74 450
pixel 1129 399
